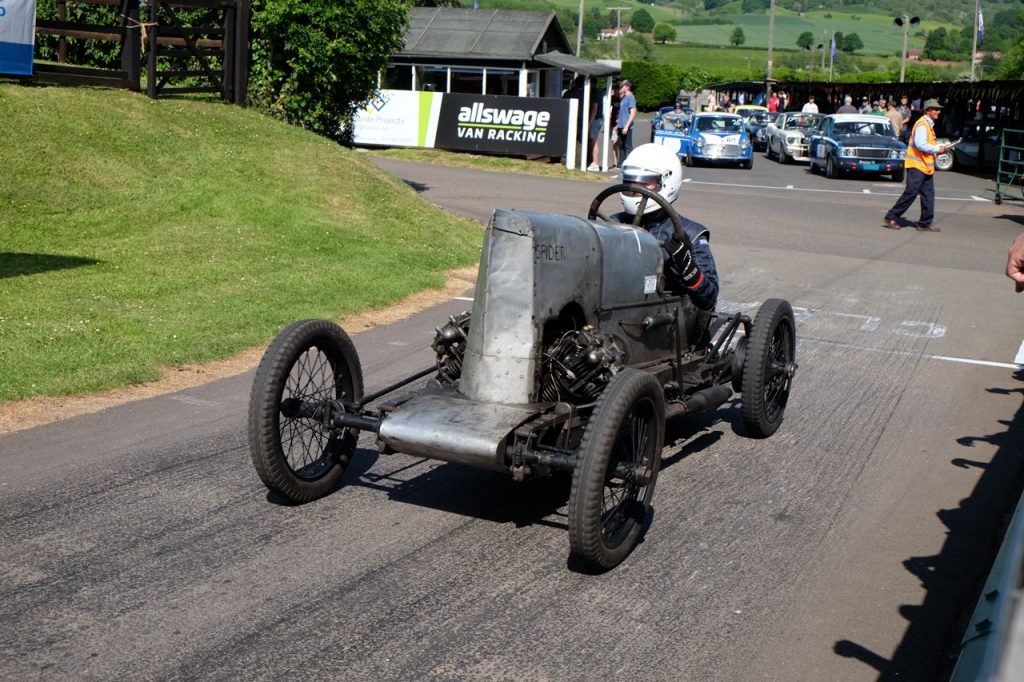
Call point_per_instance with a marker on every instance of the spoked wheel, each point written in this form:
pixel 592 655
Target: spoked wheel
pixel 614 478
pixel 309 370
pixel 769 362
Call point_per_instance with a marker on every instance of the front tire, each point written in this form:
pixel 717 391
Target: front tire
pixel 309 365
pixel 831 172
pixel 619 459
pixel 769 363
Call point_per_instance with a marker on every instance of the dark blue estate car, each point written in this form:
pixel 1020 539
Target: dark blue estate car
pixel 862 143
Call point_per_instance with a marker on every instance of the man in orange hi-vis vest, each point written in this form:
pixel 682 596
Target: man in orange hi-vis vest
pixel 920 169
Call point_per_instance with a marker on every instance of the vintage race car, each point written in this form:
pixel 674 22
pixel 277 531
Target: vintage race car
pixel 709 138
pixel 572 358
pixel 788 137
pixel 862 143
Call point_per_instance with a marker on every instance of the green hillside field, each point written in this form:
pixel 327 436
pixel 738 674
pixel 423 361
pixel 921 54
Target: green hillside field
pixel 142 234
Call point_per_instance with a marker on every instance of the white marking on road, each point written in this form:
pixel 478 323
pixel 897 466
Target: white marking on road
pixel 932 331
pixel 463 298
pixel 988 201
pixel 866 191
pixel 193 401
pixel 1020 353
pixel 814 189
pixel 926 356
pixel 870 321
pixel 687 179
pixel 789 186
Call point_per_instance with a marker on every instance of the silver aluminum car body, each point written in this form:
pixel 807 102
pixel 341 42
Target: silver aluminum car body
pixel 535 269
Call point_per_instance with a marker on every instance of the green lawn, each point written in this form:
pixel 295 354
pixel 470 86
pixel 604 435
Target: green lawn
pixel 140 234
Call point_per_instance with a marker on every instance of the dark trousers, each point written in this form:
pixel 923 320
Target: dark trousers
pixel 625 144
pixel 918 183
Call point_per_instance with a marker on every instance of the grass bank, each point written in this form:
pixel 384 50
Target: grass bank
pixel 141 234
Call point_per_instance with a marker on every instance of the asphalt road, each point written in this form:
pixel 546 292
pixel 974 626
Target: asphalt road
pixel 139 544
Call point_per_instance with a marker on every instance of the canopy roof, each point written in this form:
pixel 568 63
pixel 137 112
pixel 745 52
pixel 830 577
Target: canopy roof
pixel 481 34
pixel 581 66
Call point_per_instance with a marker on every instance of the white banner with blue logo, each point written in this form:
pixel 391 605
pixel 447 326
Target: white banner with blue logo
pixel 17 36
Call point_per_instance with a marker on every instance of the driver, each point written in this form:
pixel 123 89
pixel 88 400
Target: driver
pixel 658 169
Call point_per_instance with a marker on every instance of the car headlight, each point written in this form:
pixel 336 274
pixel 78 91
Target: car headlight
pixel 847 152
pixel 700 143
pixel 792 140
pixel 744 144
pixel 894 154
pixel 902 154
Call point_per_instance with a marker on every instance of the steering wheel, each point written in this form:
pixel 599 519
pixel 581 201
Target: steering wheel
pixel 645 195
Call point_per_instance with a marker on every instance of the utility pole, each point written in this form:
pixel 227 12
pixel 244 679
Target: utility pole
pixel 905 23
pixel 579 32
pixel 619 31
pixel 771 47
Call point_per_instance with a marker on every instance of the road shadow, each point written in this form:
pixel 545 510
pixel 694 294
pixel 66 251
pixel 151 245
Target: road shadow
pixel 954 577
pixel 14 264
pixel 419 187
pixel 1012 217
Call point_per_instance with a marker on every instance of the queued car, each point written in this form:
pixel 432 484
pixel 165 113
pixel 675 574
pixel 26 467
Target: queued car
pixel 656 121
pixel 862 143
pixel 788 136
pixel 710 137
pixel 757 128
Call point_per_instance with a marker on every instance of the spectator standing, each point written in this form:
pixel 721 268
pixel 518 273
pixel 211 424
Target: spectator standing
pixel 711 104
pixel 627 112
pixel 783 101
pixel 893 114
pixel 596 128
pixel 920 169
pixel 877 109
pixel 904 110
pixel 773 102
pixel 865 106
pixel 810 107
pixel 847 106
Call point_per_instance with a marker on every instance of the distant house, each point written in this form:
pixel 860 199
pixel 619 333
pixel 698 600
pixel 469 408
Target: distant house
pixel 607 33
pixel 489 52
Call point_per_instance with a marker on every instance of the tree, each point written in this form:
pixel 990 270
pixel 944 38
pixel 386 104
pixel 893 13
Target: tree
pixel 805 40
pixel 935 43
pixel 314 62
pixel 664 33
pixel 753 6
pixel 737 38
pixel 851 43
pixel 642 21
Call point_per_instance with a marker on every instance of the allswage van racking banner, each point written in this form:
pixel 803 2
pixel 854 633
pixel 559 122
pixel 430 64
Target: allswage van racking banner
pixel 485 123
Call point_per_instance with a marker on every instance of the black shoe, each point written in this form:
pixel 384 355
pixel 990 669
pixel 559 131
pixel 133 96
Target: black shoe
pixel 890 223
pixel 926 227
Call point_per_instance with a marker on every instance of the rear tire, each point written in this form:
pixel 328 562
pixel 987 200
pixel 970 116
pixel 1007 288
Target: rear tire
pixel 294 453
pixel 769 362
pixel 619 459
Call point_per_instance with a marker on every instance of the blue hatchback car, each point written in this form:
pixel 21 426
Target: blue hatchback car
pixel 709 137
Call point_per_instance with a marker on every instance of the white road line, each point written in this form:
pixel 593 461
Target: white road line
pixel 926 356
pixel 789 186
pixel 981 199
pixel 814 189
pixel 1020 353
pixel 463 298
pixel 866 191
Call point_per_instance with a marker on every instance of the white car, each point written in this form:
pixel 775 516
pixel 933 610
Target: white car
pixel 788 136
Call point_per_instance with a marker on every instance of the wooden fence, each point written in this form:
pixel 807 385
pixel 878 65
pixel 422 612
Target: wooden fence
pixel 206 52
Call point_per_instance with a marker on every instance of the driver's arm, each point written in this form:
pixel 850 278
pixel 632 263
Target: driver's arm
pixel 694 272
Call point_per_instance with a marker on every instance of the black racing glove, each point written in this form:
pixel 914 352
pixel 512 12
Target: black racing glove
pixel 689 273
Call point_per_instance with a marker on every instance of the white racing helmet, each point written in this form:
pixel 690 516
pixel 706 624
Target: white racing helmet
pixel 651 163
